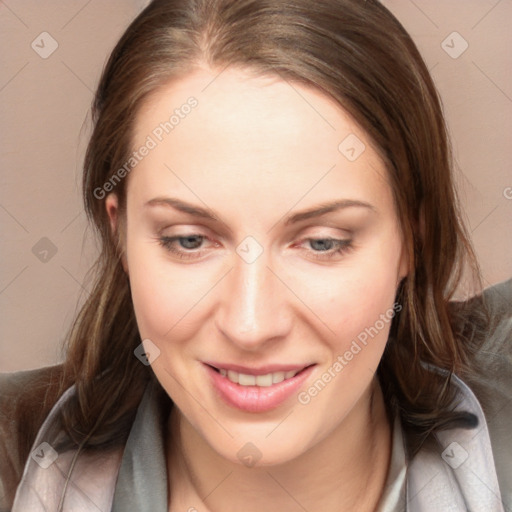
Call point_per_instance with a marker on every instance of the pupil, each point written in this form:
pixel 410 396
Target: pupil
pixel 193 240
pixel 323 245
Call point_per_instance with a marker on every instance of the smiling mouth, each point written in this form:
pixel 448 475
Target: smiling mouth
pixel 260 389
pixel 266 380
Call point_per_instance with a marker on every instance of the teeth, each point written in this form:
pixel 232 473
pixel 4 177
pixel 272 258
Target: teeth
pixel 264 380
pixel 246 380
pixel 277 377
pixel 257 380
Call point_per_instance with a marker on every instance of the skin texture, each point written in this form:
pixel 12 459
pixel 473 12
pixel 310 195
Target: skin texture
pixel 253 151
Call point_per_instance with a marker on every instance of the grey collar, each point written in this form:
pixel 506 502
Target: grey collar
pixel 455 470
pixel 142 481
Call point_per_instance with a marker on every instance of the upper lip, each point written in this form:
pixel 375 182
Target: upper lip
pixel 260 370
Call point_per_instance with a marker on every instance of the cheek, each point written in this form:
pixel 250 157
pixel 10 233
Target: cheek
pixel 171 302
pixel 354 296
pixel 361 318
pixel 160 297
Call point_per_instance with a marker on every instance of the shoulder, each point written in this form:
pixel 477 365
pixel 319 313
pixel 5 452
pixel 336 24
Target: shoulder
pixel 494 336
pixel 495 349
pixel 491 379
pixel 26 398
pixel 499 298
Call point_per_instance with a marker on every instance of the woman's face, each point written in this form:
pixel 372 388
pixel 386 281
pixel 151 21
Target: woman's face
pixel 262 244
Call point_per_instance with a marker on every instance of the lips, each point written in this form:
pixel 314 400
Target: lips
pixel 256 389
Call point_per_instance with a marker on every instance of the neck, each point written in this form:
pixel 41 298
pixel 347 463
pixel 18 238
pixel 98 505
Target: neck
pixel 345 471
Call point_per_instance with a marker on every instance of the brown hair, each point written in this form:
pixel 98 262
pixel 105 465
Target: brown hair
pixel 357 53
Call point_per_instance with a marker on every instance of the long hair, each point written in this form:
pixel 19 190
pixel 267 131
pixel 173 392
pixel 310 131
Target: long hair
pixel 357 53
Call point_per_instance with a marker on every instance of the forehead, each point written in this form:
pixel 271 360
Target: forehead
pixel 249 133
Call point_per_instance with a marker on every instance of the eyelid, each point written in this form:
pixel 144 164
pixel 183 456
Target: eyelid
pixel 187 230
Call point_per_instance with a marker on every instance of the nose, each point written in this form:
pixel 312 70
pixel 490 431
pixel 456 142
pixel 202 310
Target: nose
pixel 254 308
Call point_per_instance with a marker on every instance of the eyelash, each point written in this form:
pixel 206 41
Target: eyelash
pixel 342 246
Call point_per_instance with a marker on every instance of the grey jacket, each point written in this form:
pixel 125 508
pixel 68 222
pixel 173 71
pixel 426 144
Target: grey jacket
pixel 455 470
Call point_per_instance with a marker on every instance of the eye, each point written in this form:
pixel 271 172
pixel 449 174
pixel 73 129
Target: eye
pixel 183 246
pixel 328 248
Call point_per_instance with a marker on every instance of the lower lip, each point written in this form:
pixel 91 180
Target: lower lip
pixel 256 398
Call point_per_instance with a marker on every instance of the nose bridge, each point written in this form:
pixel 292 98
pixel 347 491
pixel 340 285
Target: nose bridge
pixel 253 303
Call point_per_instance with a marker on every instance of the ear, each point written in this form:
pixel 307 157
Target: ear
pixel 403 268
pixel 112 207
pixel 405 258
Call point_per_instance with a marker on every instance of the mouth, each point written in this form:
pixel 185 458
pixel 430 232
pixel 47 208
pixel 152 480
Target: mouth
pixel 264 380
pixel 256 390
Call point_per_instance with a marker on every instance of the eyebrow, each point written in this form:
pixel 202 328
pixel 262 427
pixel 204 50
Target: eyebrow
pixel 316 211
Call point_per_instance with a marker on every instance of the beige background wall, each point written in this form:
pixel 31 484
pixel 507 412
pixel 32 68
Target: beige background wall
pixel 46 247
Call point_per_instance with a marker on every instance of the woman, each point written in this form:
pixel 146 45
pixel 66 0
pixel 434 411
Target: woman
pixel 271 324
